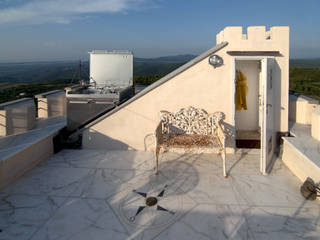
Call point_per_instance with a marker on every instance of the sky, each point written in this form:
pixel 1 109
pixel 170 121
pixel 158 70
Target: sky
pixel 54 30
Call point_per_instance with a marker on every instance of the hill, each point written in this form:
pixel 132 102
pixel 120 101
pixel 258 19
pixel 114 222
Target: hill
pixel 305 63
pixel 44 71
pixel 36 77
pixel 167 59
pixel 36 71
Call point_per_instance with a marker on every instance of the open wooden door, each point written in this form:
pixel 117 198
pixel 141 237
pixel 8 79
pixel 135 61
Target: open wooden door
pixel 267 116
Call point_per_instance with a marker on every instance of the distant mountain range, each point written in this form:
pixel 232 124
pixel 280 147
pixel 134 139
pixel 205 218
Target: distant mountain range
pixel 167 59
pixel 305 63
pixel 46 71
pixel 159 66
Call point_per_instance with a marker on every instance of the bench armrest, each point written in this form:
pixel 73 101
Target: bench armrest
pixel 158 134
pixel 221 135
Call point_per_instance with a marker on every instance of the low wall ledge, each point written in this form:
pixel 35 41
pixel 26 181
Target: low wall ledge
pixel 19 101
pixel 45 94
pixel 255 53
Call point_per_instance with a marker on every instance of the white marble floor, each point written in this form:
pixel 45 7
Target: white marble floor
pixel 92 194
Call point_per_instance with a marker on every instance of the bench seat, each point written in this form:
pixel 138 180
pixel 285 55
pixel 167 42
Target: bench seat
pixel 190 128
pixel 192 141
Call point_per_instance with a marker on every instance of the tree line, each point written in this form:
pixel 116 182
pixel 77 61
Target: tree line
pixel 305 81
pixel 302 80
pixel 146 79
pixel 20 90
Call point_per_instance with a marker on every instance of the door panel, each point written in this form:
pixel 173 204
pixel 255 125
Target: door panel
pixel 267 131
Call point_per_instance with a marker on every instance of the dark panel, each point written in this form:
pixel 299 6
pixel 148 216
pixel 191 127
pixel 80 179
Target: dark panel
pixel 255 53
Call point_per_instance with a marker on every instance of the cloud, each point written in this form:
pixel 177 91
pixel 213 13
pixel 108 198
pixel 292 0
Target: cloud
pixel 63 11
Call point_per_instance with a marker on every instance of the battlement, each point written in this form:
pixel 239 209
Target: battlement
pixel 254 34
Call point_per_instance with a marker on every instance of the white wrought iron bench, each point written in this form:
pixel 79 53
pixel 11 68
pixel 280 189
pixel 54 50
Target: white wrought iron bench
pixel 190 128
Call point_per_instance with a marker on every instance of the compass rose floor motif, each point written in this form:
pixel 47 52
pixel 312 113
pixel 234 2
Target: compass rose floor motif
pixel 150 205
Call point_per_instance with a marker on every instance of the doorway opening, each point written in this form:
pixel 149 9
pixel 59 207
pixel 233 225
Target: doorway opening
pixel 247 114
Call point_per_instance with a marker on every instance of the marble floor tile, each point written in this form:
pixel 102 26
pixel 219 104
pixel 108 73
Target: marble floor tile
pixel 53 181
pixel 75 158
pixel 209 163
pixel 235 164
pixel 268 191
pixel 280 169
pixel 106 182
pixel 210 222
pixel 127 160
pixel 284 222
pixel 172 164
pixel 243 164
pixel 183 231
pixel 22 215
pixel 203 187
pixel 144 221
pixel 89 194
pixel 73 182
pixel 82 219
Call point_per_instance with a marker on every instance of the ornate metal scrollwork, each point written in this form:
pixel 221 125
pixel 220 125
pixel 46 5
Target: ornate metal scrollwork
pixel 189 120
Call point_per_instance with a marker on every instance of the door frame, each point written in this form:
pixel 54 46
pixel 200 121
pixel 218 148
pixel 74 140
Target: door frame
pixel 233 77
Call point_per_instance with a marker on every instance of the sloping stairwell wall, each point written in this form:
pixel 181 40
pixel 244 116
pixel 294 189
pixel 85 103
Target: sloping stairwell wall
pixel 197 83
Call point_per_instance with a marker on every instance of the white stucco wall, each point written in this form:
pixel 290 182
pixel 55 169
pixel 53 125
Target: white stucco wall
pixel 258 39
pixel 200 86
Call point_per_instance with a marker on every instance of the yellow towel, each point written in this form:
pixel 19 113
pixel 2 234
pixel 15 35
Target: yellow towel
pixel 241 91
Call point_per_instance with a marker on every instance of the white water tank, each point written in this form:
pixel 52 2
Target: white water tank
pixel 113 68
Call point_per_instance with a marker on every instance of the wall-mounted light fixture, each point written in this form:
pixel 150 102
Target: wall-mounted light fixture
pixel 215 61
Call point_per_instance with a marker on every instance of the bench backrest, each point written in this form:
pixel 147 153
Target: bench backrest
pixel 190 120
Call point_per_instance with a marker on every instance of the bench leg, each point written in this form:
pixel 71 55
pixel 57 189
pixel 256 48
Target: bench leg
pixel 223 155
pixel 157 150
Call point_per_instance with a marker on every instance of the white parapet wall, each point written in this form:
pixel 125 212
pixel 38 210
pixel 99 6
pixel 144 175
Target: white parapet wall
pixel 51 104
pixel 14 163
pixel 17 116
pixel 300 108
pixel 20 153
pixel 315 123
pixel 299 163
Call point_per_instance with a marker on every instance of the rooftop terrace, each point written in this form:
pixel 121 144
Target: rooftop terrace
pixel 95 194
pixel 103 193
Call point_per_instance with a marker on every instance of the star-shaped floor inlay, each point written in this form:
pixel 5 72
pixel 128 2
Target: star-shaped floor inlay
pixel 149 204
pixel 150 201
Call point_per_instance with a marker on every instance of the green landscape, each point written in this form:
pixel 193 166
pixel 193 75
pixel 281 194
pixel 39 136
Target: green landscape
pixel 305 81
pixel 19 80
